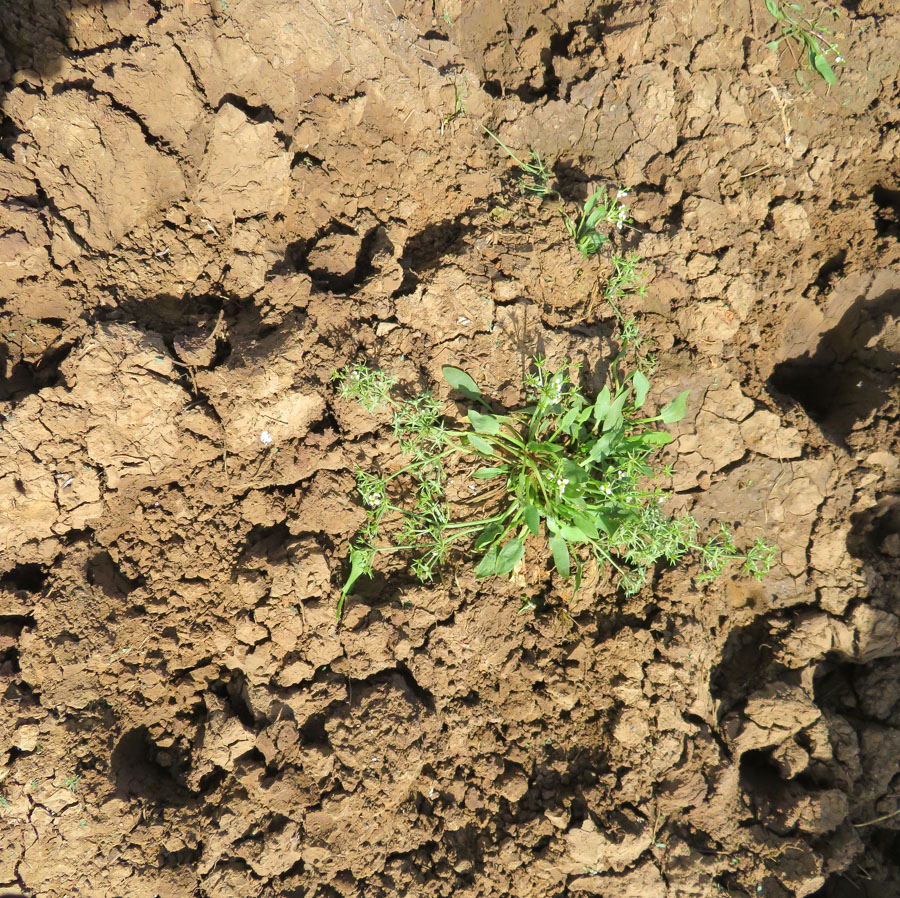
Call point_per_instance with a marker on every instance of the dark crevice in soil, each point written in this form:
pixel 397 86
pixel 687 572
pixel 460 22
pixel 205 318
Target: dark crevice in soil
pixel 27 378
pixel 232 688
pixel 103 571
pixel 123 43
pixel 136 771
pixel 262 114
pixel 420 692
pixel 26 577
pixel 746 663
pixel 844 380
pixel 887 220
pixel 832 267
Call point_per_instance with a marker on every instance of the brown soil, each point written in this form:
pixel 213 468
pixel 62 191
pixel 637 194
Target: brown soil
pixel 206 207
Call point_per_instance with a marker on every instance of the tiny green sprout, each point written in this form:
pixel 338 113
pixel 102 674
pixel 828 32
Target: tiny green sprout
pixel 72 783
pixel 569 474
pixel 535 180
pixel 814 41
pixel 599 210
pixel 460 93
pixel 4 802
pixel 628 278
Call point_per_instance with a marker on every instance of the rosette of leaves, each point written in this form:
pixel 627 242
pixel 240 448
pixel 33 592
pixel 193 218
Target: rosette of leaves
pixel 575 476
pixel 599 209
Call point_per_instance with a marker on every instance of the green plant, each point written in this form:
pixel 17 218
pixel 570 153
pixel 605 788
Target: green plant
pixel 570 474
pixel 600 209
pixel 535 179
pixel 813 40
pixel 459 103
pixel 72 783
pixel 628 278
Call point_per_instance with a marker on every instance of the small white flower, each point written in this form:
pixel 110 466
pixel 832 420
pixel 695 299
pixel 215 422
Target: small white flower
pixel 619 224
pixel 354 375
pixel 265 438
pixel 838 60
pixel 621 194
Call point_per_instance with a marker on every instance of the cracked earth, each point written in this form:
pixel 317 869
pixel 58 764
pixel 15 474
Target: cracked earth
pixel 205 208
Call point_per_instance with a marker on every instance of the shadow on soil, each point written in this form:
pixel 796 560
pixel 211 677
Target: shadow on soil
pixel 845 379
pixel 35 34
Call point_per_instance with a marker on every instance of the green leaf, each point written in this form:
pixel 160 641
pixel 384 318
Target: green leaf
pixel 592 201
pixel 574 473
pixel 532 518
pixel 601 448
pixel 484 423
pixel 459 380
pixel 641 388
pixel 613 417
pixel 560 550
pixel 488 563
pixel 591 243
pixel 586 526
pixel 485 473
pixel 774 45
pixel 656 438
pixel 598 215
pixel 482 445
pixel 601 405
pixel 509 556
pixel 573 534
pixel 772 6
pixel 824 69
pixel 487 536
pixel 568 419
pixel 676 409
pixel 360 560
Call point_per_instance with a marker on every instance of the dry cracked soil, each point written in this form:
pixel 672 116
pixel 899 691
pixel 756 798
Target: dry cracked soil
pixel 206 206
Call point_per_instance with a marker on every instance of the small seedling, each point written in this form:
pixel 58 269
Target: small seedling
pixel 627 279
pixel 569 474
pixel 535 180
pixel 812 39
pixel 460 93
pixel 4 802
pixel 72 783
pixel 599 210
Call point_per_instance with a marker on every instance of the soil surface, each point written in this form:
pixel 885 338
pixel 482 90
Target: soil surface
pixel 205 208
